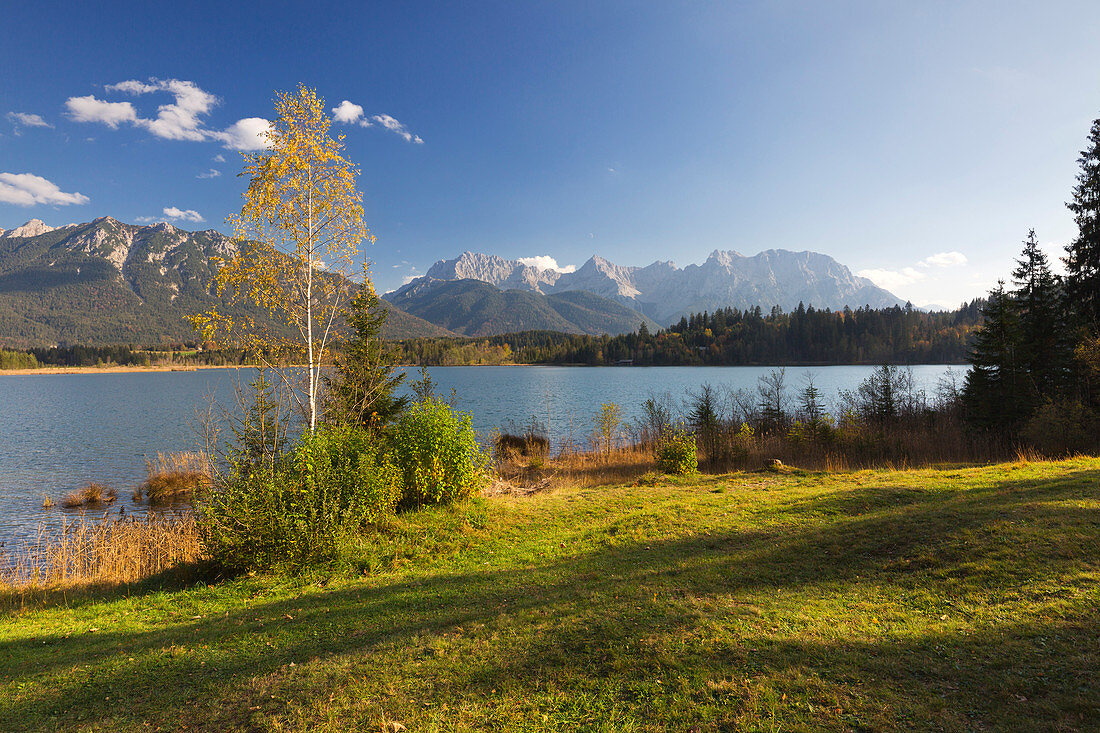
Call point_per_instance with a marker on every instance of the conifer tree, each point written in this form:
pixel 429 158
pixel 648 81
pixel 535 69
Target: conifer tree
pixel 361 390
pixel 992 390
pixel 1042 345
pixel 1083 253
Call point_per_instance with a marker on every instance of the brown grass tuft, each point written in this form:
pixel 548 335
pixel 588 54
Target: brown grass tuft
pixel 174 477
pixel 92 495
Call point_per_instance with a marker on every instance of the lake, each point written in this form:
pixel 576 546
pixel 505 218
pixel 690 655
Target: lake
pixel 59 431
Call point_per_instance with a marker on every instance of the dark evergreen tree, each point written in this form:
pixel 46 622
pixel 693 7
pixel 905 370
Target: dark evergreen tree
pixel 993 385
pixel 362 389
pixel 705 419
pixel 810 405
pixel 1043 349
pixel 1083 253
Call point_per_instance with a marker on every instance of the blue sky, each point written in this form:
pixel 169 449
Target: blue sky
pixel 914 142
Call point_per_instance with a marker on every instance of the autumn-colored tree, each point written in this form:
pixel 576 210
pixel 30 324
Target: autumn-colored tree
pixel 297 235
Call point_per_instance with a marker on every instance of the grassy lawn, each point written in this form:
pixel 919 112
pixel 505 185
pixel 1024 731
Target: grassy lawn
pixel 961 599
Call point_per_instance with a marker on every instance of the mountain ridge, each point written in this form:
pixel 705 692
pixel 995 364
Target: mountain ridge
pixel 665 292
pixel 474 307
pixel 105 282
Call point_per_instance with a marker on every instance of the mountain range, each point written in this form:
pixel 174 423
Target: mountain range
pixel 665 292
pixel 105 282
pixel 476 308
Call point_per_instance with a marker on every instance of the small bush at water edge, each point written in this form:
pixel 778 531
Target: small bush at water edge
pixel 676 454
pixel 300 507
pixel 437 453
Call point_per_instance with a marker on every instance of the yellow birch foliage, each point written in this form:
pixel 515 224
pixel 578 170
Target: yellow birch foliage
pixel 297 235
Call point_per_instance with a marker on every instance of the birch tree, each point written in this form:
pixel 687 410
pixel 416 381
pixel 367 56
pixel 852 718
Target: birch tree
pixel 297 235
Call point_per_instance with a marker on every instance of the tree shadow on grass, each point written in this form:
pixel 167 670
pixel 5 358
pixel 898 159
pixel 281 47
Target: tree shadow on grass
pixel 609 620
pixel 15 601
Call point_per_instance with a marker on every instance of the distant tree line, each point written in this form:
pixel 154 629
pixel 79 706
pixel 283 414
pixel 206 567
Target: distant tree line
pixel 121 355
pixel 731 337
pixel 77 356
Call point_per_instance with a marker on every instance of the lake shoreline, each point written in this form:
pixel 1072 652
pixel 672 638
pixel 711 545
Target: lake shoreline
pixel 46 371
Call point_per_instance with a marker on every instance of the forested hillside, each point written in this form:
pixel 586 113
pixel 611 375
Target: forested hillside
pixel 476 308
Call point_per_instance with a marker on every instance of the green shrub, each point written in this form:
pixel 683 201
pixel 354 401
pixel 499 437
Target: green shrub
pixel 299 508
pixel 741 443
pixel 437 453
pixel 676 454
pixel 1063 429
pixel 820 430
pixel 350 475
pixel 608 422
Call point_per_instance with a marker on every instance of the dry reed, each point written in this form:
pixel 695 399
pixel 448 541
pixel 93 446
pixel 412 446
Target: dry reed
pixel 109 552
pixel 174 477
pixel 92 495
pixel 574 468
pixel 900 446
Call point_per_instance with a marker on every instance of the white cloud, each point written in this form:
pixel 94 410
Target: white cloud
pixel 212 173
pixel 182 119
pixel 408 279
pixel 133 87
pixel 182 214
pixel 27 189
pixel 174 214
pixel 892 278
pixel 219 158
pixel 394 126
pixel 27 120
pixel 247 134
pixel 545 262
pixel 90 109
pixel 944 259
pixel 347 113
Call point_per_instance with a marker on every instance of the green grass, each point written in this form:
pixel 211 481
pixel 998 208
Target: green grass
pixel 963 599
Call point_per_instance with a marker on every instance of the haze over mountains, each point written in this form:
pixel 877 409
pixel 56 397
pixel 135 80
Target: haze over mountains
pixel 665 292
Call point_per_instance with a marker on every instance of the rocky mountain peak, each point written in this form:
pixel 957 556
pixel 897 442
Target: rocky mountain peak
pixel 32 228
pixel 724 258
pixel 495 270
